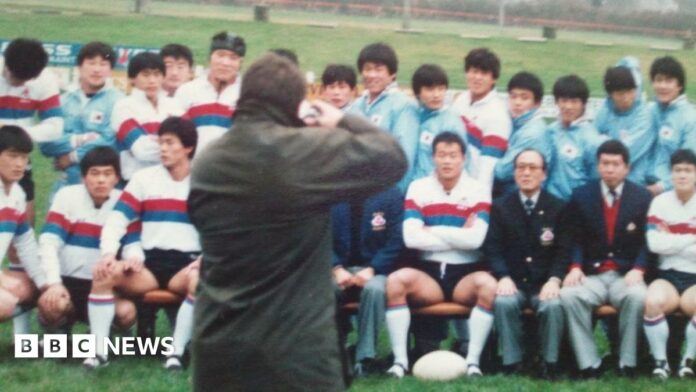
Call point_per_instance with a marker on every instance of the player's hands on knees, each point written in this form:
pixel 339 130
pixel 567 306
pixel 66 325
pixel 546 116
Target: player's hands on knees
pixel 54 298
pixel 326 115
pixel 132 265
pixel 506 286
pixel 361 278
pixel 343 278
pixel 634 277
pixel 105 267
pixel 574 278
pixel 550 290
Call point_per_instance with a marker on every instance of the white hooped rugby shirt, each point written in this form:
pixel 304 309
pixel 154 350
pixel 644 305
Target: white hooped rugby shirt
pixel 671 232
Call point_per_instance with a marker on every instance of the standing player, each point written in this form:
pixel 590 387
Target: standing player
pixel 525 92
pixel 157 197
pixel 446 218
pixel 384 104
pixel 673 117
pixel 484 114
pixel 16 285
pixel 338 83
pixel 178 64
pixel 672 235
pixel 210 101
pixel 87 111
pixel 430 84
pixel 625 117
pixel 70 242
pixel 137 118
pixel 574 139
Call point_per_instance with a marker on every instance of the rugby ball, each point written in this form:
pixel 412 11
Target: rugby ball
pixel 440 365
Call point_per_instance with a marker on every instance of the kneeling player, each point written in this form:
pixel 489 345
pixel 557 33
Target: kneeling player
pixel 155 196
pixel 16 286
pixel 446 218
pixel 672 235
pixel 70 243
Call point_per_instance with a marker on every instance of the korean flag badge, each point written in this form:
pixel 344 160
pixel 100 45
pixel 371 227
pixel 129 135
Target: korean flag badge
pixel 96 117
pixel 631 227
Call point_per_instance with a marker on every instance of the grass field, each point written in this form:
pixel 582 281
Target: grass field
pixel 316 47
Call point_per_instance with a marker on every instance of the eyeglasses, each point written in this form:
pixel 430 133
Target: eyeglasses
pixel 532 168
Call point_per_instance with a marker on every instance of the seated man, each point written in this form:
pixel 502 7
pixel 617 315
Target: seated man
pixel 606 222
pixel 157 197
pixel 367 243
pixel 446 218
pixel 523 248
pixel 672 235
pixel 525 92
pixel 70 243
pixel 136 118
pixel 17 286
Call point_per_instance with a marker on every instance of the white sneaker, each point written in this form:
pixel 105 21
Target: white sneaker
pixel 661 370
pixel 95 363
pixel 173 363
pixel 397 371
pixel 473 370
pixel 686 369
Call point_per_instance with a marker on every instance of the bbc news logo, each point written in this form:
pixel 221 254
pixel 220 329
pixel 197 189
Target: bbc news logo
pixel 85 346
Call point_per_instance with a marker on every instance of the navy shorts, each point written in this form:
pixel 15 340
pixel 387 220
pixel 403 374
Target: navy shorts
pixel 447 275
pixel 164 264
pixel 681 281
pixel 79 294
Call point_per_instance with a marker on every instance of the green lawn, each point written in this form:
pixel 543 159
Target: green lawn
pixel 316 47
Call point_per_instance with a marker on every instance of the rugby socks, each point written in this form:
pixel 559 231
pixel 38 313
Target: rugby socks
pixel 22 321
pixel 101 310
pixel 480 324
pixel 398 321
pixel 184 325
pixel 657 332
pixel 690 350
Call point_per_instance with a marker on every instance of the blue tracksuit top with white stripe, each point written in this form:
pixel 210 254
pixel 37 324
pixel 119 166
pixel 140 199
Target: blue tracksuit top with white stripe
pixel 528 131
pixel 674 126
pixel 433 123
pixel 397 114
pixel 573 162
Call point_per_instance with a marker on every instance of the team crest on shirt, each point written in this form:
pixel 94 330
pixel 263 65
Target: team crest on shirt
pixel 376 119
pixel 666 132
pixel 631 227
pixel 569 151
pixel 546 236
pixel 378 222
pixel 96 117
pixel 426 137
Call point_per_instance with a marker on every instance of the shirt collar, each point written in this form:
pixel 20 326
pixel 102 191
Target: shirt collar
pixel 618 190
pixel 387 90
pixel 534 198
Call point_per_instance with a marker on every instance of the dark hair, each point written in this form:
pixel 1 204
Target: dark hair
pixel 571 86
pixel 228 41
pixel 379 53
pixel 100 156
pixel 177 51
pixel 288 54
pixel 273 81
pixel 483 59
pixel 449 138
pixel 182 128
pixel 339 73
pixel 15 138
pixel 428 75
pixel 614 147
pixel 143 61
pixel 670 67
pixel 683 156
pixel 543 159
pixel 96 49
pixel 618 79
pixel 25 58
pixel 527 81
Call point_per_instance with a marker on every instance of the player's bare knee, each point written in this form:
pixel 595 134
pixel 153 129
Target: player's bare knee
pixel 7 309
pixel 192 285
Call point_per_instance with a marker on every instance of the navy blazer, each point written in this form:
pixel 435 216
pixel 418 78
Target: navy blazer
pixel 526 248
pixel 381 238
pixel 588 228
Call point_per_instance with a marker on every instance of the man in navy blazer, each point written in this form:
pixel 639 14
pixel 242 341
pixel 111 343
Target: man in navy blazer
pixel 523 249
pixel 607 221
